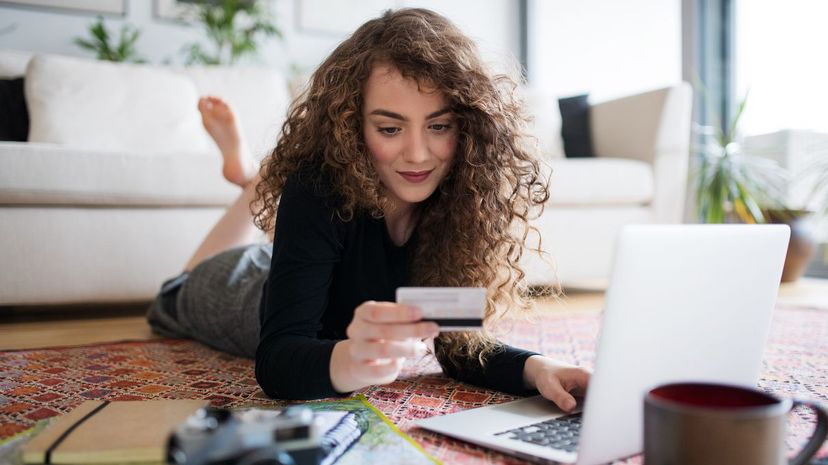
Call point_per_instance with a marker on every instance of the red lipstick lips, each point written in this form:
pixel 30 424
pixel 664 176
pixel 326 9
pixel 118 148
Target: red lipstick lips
pixel 415 176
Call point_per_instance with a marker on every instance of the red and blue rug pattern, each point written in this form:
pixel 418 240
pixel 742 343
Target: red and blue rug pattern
pixel 38 384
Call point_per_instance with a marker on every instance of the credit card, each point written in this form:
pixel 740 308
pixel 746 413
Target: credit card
pixel 452 308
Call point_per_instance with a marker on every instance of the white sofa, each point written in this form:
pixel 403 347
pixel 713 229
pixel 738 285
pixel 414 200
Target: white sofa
pixel 118 183
pixel 639 175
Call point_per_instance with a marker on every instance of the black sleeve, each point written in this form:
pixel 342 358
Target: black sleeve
pixel 291 362
pixel 503 370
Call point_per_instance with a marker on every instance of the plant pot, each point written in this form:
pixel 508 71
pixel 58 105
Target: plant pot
pixel 802 246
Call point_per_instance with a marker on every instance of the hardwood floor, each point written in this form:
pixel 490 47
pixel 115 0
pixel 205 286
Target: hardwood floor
pixel 27 328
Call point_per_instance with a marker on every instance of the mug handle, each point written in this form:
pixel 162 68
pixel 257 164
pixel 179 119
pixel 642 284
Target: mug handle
pixel 816 440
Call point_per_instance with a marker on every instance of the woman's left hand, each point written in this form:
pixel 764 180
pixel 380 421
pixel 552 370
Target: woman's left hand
pixel 556 381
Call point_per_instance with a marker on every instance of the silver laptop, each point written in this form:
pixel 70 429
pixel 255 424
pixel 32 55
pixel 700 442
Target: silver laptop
pixel 685 303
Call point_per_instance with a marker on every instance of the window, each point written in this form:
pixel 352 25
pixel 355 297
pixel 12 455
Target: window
pixel 781 57
pixel 779 61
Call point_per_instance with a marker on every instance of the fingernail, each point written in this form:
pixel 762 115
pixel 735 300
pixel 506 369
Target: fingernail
pixel 569 404
pixel 415 313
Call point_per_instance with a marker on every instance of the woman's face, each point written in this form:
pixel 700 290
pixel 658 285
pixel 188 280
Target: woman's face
pixel 410 132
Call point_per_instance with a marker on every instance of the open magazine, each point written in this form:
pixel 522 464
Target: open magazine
pixel 380 441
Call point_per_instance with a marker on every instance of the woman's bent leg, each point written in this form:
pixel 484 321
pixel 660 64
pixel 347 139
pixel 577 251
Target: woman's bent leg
pixel 235 228
pixel 215 300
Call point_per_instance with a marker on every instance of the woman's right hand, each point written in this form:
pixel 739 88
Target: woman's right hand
pixel 380 337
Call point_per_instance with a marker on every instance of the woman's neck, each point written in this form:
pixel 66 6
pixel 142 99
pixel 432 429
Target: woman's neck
pixel 400 221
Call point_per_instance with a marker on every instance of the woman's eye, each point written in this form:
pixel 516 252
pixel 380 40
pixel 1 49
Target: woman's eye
pixel 389 131
pixel 440 127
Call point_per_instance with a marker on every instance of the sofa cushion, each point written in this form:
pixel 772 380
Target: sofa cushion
pixel 47 174
pixel 112 106
pixel 545 124
pixel 14 118
pixel 259 97
pixel 575 126
pixel 600 181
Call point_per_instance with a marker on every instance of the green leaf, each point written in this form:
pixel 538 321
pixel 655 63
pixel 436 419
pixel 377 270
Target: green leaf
pixel 731 133
pixel 99 31
pixel 755 209
pixel 83 43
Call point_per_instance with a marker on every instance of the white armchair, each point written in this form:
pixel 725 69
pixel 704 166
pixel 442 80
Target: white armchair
pixel 639 175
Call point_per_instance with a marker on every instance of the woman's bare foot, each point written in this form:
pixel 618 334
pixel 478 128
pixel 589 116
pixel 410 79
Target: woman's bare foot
pixel 221 123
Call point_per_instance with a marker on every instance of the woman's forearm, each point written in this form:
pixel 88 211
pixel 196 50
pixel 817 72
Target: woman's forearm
pixel 504 369
pixel 295 367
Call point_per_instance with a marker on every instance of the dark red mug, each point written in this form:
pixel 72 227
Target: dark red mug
pixel 713 424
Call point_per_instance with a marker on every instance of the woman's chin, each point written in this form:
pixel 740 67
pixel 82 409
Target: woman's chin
pixel 414 195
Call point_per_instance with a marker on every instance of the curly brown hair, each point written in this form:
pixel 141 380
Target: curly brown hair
pixel 473 230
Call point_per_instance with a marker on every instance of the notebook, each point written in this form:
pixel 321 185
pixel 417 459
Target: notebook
pixel 98 432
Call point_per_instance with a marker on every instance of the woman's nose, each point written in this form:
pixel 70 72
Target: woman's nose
pixel 416 149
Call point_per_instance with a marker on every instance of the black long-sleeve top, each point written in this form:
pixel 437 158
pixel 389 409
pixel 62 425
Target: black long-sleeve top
pixel 322 269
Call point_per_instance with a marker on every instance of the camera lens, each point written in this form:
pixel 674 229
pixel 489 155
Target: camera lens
pixel 219 414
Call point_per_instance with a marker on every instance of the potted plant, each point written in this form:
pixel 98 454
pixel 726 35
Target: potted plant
pixel 100 42
pixel 234 27
pixel 732 186
pixel 802 218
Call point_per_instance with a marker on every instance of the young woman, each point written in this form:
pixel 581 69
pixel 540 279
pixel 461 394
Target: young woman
pixel 403 164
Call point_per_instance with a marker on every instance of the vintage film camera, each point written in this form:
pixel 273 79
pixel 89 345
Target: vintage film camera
pixel 293 436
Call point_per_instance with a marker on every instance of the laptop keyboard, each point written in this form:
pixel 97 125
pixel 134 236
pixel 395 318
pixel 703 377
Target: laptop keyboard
pixel 560 433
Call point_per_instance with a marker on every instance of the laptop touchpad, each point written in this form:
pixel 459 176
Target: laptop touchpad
pixel 533 407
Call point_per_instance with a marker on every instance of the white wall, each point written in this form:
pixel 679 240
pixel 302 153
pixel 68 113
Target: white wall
pixel 52 31
pixel 494 23
pixel 604 47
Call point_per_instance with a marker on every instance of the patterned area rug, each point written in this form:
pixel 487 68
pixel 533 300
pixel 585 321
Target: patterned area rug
pixel 38 384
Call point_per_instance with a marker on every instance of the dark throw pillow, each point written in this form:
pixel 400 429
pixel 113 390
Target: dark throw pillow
pixel 14 116
pixel 575 127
